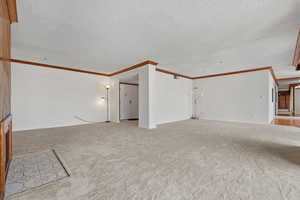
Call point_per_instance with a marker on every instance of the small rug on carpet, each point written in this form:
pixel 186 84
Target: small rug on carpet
pixel 34 170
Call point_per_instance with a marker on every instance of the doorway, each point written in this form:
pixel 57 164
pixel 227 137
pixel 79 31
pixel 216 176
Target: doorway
pixel 284 100
pixel 129 101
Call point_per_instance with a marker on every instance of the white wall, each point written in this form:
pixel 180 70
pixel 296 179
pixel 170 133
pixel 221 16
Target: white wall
pixel 162 98
pixel 147 97
pixel 44 97
pixel 272 98
pixel 297 101
pixel 240 97
pixel 129 101
pixel 114 105
pixel 174 98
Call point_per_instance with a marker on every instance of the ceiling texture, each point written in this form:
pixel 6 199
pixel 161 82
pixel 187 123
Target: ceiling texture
pixel 192 37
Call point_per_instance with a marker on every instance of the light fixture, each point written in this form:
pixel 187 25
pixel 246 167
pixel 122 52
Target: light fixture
pixel 107 87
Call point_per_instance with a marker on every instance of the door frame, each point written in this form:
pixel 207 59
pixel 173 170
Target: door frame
pixel 124 83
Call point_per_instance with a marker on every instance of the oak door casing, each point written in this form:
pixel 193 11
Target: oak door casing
pixel 284 100
pixel 5 90
pixel 5 68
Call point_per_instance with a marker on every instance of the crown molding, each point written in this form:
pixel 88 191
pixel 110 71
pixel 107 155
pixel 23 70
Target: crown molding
pixel 233 72
pixel 288 78
pixel 51 66
pixel 173 73
pixel 148 62
pixel 240 72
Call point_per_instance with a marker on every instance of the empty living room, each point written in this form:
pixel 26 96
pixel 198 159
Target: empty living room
pixel 149 100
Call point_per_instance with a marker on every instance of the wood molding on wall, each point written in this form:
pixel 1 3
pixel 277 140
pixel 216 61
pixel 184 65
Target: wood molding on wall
pixel 241 71
pixel 234 72
pixel 148 62
pixel 78 70
pixel 8 15
pixel 288 78
pixel 172 73
pixel 12 10
pixel 296 59
pixel 53 66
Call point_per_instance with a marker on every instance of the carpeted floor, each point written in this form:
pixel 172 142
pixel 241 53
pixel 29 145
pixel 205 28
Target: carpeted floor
pixel 188 160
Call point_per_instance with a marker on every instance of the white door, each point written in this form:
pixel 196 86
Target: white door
pixel 129 102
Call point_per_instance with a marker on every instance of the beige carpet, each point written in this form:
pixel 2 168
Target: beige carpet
pixel 188 160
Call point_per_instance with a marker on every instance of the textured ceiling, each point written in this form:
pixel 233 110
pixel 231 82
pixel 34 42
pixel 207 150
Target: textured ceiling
pixel 193 37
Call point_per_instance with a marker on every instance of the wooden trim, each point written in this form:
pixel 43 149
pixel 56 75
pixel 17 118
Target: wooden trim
pixel 293 86
pixel 52 66
pixel 10 142
pixel 78 70
pixel 135 84
pixel 288 78
pixel 296 59
pixel 241 71
pixel 148 62
pixel 172 73
pixel 5 150
pixel 2 162
pixel 141 65
pixel 12 10
pixel 235 72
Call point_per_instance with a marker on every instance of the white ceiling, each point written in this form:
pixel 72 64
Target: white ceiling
pixel 192 37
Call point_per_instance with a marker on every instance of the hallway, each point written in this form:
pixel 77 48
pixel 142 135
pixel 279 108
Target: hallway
pixel 287 121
